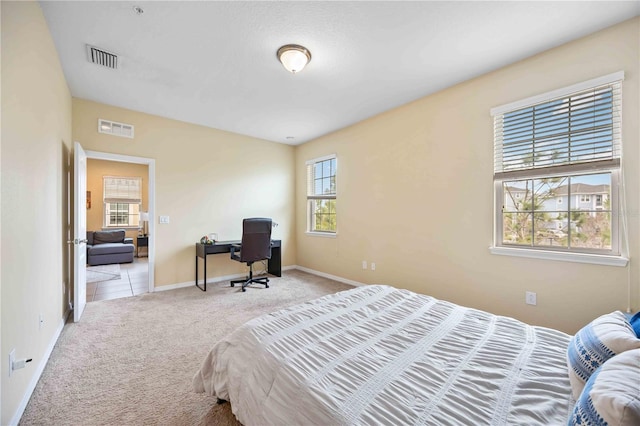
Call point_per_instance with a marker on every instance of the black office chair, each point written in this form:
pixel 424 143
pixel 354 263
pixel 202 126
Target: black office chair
pixel 256 246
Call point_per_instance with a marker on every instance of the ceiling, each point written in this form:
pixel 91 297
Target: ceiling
pixel 214 63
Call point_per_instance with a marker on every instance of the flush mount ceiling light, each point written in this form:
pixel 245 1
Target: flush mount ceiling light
pixel 294 57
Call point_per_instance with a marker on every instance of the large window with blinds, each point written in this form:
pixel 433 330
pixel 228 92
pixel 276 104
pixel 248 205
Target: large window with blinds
pixel 122 199
pixel 322 195
pixel 557 163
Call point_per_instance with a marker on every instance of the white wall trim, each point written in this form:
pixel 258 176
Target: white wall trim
pixel 595 259
pixel 554 94
pixel 322 234
pixel 39 370
pixel 193 284
pixel 323 158
pixel 331 277
pixel 209 281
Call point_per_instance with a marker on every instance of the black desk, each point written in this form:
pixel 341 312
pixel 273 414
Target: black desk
pixel 274 266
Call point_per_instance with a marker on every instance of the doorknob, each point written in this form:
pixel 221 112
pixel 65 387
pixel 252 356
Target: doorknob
pixel 77 241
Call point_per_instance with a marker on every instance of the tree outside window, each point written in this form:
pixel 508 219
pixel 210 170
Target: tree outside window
pixel 557 166
pixel 321 194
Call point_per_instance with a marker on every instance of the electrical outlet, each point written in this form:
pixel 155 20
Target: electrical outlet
pixel 12 358
pixel 364 264
pixel 373 266
pixel 530 298
pixel 164 219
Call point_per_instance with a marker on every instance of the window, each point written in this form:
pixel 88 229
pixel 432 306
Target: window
pixel 122 199
pixel 321 195
pixel 564 146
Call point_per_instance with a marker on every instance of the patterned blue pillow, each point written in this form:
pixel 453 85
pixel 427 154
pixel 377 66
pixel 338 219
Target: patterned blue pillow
pixel 611 395
pixel 595 343
pixel 635 323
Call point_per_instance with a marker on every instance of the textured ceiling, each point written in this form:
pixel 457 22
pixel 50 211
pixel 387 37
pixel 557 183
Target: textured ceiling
pixel 214 63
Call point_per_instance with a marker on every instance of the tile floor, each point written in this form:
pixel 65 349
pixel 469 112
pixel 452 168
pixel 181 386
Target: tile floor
pixel 134 280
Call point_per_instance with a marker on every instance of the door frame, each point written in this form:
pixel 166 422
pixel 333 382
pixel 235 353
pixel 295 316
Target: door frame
pixel 151 202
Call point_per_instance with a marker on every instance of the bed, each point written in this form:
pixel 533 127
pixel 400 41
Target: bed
pixel 381 355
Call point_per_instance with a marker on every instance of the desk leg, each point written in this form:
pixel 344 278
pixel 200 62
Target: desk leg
pixel 274 266
pixel 205 274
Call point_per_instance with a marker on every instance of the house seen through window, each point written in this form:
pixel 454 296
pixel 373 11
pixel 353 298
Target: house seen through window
pixel 557 166
pixel 122 199
pixel 321 195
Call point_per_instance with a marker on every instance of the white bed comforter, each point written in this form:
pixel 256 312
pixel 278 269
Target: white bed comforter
pixel 379 355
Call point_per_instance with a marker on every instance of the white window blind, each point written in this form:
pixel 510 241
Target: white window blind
pixel 555 155
pixel 581 130
pixel 122 189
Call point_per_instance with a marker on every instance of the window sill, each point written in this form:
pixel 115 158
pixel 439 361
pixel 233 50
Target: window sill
pixel 322 234
pixel 126 228
pixel 596 259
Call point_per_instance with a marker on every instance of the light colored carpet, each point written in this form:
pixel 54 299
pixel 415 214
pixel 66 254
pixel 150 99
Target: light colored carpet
pixel 131 361
pixel 103 273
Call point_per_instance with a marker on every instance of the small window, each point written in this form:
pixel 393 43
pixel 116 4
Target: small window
pixel 122 200
pixel 321 195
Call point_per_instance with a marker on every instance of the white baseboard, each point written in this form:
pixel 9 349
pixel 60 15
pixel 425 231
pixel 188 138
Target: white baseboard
pixel 193 283
pixel 235 276
pixel 39 370
pixel 331 277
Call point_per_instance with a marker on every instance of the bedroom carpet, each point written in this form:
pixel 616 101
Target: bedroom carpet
pixel 131 361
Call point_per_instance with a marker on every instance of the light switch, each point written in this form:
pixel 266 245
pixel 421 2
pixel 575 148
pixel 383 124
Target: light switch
pixel 164 219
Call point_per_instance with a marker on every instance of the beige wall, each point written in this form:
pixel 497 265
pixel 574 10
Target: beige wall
pixel 36 147
pixel 207 181
pixel 96 170
pixel 415 193
pixel 427 223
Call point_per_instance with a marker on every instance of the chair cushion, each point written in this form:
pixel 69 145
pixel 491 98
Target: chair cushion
pixel 111 236
pixel 110 248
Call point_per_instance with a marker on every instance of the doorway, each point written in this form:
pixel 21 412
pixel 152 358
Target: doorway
pixel 111 281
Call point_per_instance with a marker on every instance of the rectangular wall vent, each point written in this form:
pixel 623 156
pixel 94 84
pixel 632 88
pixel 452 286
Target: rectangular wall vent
pixel 114 128
pixel 102 57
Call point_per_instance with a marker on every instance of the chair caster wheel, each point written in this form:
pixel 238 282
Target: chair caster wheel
pixel 266 285
pixel 244 289
pixel 233 285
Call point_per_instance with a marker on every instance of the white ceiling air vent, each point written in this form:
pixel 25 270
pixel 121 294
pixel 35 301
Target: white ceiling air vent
pixel 115 129
pixel 102 57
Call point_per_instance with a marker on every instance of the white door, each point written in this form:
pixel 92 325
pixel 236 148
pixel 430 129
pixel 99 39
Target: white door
pixel 79 232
